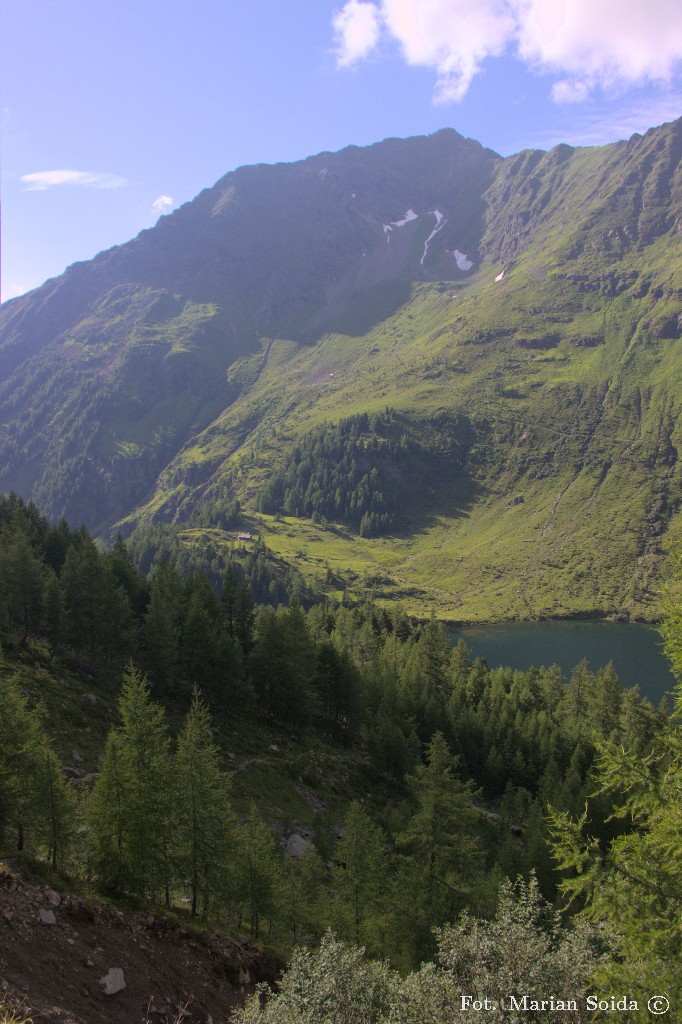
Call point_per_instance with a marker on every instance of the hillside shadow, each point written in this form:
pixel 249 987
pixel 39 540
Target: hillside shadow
pixel 361 311
pixel 443 500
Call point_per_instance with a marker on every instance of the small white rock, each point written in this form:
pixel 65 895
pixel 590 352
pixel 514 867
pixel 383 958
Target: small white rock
pixel 47 917
pixel 113 981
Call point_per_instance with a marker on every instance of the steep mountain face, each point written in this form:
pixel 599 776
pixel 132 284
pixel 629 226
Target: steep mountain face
pixel 109 369
pixel 521 317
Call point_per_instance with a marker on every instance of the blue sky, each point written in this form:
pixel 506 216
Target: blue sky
pixel 113 113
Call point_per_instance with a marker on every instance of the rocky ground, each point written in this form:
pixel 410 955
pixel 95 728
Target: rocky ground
pixel 69 961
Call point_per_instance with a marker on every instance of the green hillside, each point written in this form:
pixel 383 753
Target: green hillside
pixel 520 320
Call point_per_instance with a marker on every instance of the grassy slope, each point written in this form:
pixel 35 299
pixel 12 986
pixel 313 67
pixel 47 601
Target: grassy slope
pixel 585 434
pixel 565 373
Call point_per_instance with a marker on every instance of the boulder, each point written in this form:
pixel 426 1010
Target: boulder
pixel 113 981
pixel 296 846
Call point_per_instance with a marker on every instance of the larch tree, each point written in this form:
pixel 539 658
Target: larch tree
pixel 360 875
pixel 21 591
pixel 205 837
pixel 37 804
pixel 442 857
pixel 257 870
pixel 56 804
pixel 130 808
pixel 631 883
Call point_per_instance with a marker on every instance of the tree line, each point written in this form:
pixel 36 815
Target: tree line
pixel 341 473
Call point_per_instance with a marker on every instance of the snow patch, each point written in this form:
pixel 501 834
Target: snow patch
pixel 462 260
pixel 500 276
pixel 410 215
pixel 440 223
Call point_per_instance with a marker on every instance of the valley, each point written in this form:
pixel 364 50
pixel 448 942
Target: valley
pixel 341 513
pixel 528 350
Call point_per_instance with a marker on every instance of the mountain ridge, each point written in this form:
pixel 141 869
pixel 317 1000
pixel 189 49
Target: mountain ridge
pixel 426 274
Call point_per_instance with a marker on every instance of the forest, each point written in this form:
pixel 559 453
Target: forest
pixel 531 842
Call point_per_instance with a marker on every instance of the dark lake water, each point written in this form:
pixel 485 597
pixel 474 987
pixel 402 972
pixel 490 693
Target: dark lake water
pixel 634 649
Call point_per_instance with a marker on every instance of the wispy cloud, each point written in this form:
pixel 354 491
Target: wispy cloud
pixel 596 127
pixel 162 204
pixel 39 181
pixel 610 45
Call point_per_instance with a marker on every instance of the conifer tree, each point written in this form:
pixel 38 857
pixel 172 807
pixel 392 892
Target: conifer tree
pixel 21 587
pixel 238 608
pixel 258 870
pixel 97 613
pixel 337 686
pixel 440 839
pixel 283 662
pixel 37 804
pixel 106 815
pixel 53 609
pixel 162 624
pixel 19 743
pixel 205 837
pixel 199 648
pixel 632 884
pixel 360 875
pixel 56 804
pixel 122 568
pixel 130 808
pixel 300 895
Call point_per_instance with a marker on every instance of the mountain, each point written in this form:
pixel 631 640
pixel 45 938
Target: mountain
pixel 512 326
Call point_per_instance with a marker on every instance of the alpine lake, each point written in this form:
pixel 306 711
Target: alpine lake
pixel 635 649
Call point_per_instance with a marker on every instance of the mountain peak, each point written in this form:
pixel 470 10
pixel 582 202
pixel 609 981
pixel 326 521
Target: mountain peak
pixel 429 274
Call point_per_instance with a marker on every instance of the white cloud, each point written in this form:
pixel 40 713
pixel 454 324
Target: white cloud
pixel 357 28
pixel 451 36
pixel 610 44
pixel 162 204
pixel 39 181
pixel 567 91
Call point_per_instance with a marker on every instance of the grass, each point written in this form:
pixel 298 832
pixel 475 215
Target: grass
pixel 13 1013
pixel 584 434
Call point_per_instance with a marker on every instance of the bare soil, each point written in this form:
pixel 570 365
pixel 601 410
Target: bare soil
pixel 170 973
